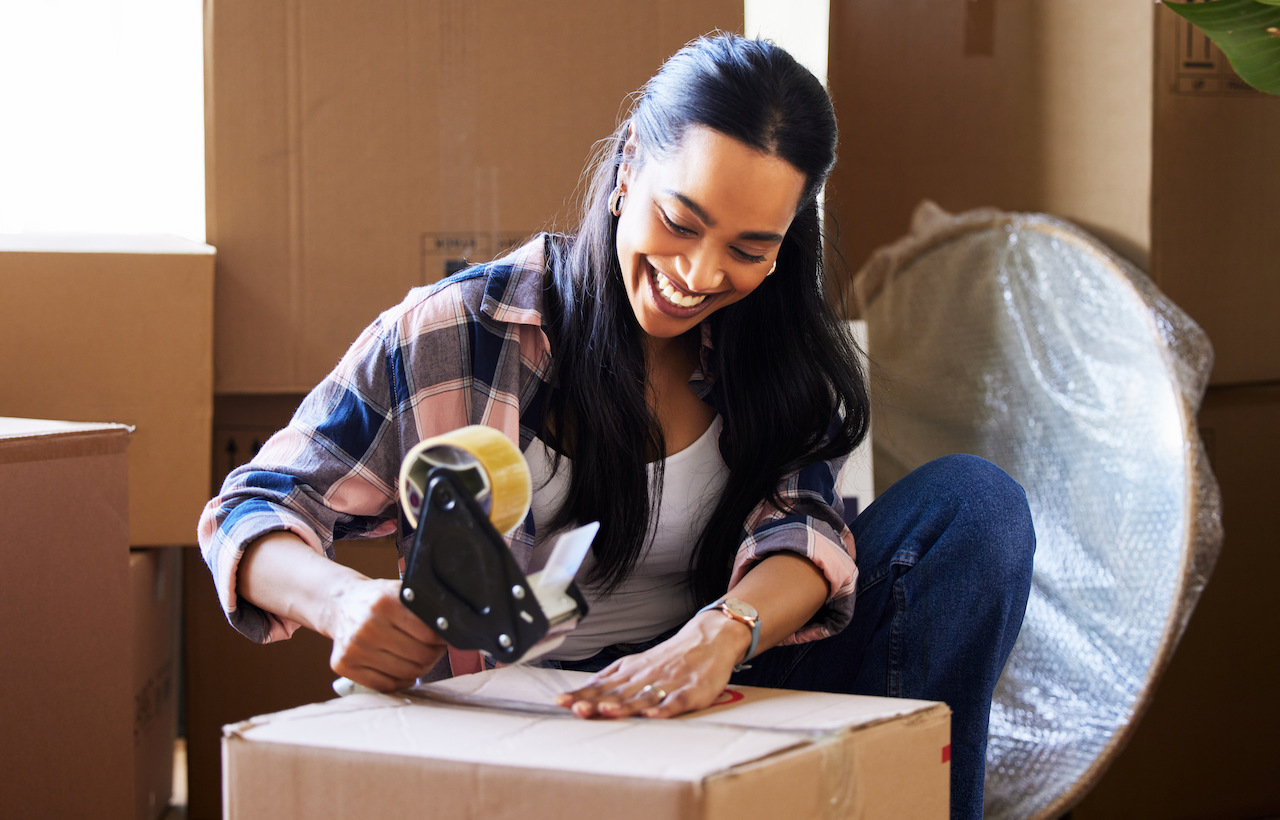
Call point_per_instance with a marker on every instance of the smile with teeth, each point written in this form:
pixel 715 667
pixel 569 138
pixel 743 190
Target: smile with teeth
pixel 674 296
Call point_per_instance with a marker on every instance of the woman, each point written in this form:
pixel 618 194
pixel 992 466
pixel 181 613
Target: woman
pixel 673 371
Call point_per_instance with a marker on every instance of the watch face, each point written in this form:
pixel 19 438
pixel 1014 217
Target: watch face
pixel 741 608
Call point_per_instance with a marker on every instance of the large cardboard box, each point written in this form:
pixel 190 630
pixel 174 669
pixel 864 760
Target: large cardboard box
pixel 1117 116
pixel 118 328
pixel 356 150
pixel 65 620
pixel 493 745
pixel 155 577
pixel 1206 746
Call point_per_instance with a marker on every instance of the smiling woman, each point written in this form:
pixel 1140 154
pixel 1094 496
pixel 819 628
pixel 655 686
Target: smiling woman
pixel 672 370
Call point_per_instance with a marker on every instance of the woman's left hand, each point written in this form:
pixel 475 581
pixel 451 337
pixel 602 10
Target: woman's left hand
pixel 686 672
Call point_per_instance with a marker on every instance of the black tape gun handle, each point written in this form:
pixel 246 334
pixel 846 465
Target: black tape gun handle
pixel 461 579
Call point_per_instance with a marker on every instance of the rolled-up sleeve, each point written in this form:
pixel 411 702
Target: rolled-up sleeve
pixel 809 523
pixel 321 478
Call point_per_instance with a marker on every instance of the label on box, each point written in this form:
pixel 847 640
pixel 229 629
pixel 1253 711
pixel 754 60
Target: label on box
pixel 444 254
pixel 1200 67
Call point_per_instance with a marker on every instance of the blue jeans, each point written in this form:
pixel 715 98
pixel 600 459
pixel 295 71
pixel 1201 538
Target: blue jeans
pixel 944 570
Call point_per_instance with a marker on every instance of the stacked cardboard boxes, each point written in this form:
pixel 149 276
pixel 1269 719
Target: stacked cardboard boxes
pixel 1127 121
pixel 118 328
pixel 121 328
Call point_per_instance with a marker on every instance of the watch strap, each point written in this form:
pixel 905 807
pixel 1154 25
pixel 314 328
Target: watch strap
pixel 723 606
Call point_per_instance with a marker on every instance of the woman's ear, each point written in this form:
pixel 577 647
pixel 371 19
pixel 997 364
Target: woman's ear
pixel 630 153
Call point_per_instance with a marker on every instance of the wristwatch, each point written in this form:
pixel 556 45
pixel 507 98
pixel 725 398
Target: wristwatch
pixel 743 613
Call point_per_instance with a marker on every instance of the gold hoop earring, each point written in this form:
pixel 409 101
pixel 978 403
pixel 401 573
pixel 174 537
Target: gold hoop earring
pixel 772 269
pixel 615 201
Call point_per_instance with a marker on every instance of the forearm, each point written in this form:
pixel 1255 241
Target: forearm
pixel 282 575
pixel 786 590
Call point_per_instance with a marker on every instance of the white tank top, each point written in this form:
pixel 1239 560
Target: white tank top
pixel 656 596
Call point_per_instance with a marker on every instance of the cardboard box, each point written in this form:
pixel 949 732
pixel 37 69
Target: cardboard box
pixel 65 620
pixel 241 425
pixel 1206 746
pixel 119 328
pixel 1082 110
pixel 155 577
pixel 457 748
pixel 228 678
pixel 1215 249
pixel 356 150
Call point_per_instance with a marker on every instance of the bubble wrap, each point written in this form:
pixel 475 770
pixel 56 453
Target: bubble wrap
pixel 1019 338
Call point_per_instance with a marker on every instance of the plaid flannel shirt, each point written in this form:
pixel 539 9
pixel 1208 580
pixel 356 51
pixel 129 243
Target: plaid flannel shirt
pixel 467 350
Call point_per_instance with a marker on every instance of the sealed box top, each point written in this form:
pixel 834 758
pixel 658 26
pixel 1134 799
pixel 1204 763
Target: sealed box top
pixel 753 748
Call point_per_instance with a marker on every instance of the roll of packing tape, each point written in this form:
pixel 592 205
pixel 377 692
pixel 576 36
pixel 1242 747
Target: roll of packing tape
pixel 490 468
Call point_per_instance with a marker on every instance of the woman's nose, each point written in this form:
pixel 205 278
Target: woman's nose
pixel 701 271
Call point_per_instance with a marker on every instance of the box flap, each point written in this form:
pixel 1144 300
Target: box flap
pixel 23 440
pixel 508 717
pixel 32 428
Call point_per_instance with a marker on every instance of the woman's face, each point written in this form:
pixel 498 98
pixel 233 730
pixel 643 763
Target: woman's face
pixel 701 228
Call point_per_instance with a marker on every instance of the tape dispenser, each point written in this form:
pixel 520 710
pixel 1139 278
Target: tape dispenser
pixel 461 491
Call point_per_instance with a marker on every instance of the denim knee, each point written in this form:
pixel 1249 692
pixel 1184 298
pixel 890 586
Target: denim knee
pixel 989 505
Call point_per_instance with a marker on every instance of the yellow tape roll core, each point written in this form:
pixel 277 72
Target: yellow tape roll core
pixel 507 487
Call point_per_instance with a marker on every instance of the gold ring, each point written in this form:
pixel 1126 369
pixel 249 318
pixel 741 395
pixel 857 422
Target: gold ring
pixel 650 689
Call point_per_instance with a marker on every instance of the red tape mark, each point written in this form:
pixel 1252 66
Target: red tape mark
pixel 728 696
pixel 946 753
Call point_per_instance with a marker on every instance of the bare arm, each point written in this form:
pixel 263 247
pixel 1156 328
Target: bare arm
pixel 693 666
pixel 377 641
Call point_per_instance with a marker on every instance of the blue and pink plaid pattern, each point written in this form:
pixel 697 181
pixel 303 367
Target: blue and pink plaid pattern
pixel 467 350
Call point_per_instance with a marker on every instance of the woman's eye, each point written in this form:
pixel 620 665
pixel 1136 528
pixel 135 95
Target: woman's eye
pixel 749 257
pixel 673 227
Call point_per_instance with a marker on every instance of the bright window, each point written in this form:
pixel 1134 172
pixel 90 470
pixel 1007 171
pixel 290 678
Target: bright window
pixel 101 117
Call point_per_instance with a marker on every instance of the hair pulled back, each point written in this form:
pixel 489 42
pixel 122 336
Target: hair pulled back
pixel 787 383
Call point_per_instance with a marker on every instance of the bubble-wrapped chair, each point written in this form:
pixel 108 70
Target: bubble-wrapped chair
pixel 1020 338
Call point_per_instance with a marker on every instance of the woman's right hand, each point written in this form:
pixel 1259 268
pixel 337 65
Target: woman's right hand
pixel 377 641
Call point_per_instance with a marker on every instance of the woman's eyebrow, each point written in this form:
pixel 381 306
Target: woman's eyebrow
pixel 693 206
pixel 751 236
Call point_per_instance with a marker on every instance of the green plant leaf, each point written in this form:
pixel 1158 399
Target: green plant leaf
pixel 1247 31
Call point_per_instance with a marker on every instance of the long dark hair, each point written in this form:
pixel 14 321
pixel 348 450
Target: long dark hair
pixel 788 386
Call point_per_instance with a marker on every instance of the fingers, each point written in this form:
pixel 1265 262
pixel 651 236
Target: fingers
pixel 381 669
pixel 683 673
pixel 677 703
pixel 381 644
pixel 612 698
pixel 658 699
pixel 649 685
pixel 634 697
